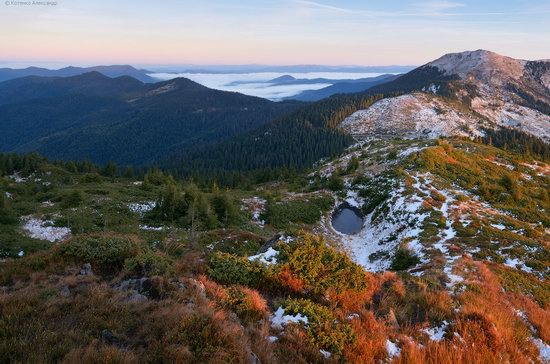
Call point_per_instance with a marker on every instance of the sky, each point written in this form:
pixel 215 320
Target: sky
pixel 271 32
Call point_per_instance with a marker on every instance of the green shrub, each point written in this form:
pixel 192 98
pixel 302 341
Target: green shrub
pixel 73 199
pixel 105 251
pixel 281 214
pixel 321 267
pixel 92 178
pixel 513 280
pixel 148 264
pixel 231 269
pixel 335 182
pixel 403 260
pixel 353 164
pixel 7 215
pixel 323 328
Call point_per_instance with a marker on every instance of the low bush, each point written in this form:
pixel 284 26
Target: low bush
pixel 106 252
pixel 231 269
pixel 323 329
pixel 403 260
pixel 516 281
pixel 148 264
pixel 247 303
pixel 320 267
pixel 205 336
pixel 281 214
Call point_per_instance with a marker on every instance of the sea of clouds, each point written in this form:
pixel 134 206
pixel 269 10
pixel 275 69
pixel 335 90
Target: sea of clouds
pixel 257 83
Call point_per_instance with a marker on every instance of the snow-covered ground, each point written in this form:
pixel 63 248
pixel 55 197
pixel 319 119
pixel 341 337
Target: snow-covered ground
pixel 142 208
pixel 438 332
pixel 393 349
pixel 256 206
pixel 268 258
pixel 280 320
pixel 377 242
pixel 44 229
pixel 416 115
pixel 151 228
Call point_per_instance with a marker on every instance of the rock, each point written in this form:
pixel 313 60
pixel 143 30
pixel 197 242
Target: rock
pixel 141 285
pixel 86 270
pixel 199 287
pixel 109 338
pixel 180 285
pixel 136 297
pixel 65 291
pixel 392 319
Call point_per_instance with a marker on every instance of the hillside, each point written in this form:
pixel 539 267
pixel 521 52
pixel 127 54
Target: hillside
pixel 450 262
pixel 121 119
pixel 459 93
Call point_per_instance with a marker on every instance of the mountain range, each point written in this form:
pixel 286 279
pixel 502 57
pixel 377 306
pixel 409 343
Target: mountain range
pixel 430 101
pixel 344 87
pixel 408 223
pixel 122 119
pixel 110 71
pixel 184 126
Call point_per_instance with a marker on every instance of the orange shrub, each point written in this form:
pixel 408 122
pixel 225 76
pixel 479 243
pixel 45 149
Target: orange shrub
pixel 288 280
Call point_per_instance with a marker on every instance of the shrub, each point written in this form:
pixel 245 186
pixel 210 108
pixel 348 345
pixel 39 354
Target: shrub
pixel 7 215
pixel 107 252
pixel 403 260
pixel 231 269
pixel 527 284
pixel 335 182
pixel 247 303
pixel 73 199
pixel 205 336
pixel 323 328
pixel 319 266
pixel 353 164
pixel 280 215
pixel 148 264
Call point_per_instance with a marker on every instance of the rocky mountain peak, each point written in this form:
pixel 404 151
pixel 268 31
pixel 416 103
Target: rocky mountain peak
pixel 480 64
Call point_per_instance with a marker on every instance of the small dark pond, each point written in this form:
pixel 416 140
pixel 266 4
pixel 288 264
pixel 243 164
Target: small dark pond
pixel 347 219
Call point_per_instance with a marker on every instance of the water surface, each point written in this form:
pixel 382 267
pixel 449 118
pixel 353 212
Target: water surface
pixel 347 220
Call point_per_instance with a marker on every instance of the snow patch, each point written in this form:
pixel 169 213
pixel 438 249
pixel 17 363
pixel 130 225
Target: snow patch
pixel 151 228
pixel 268 258
pixel 280 320
pixel 437 333
pixel 544 350
pixel 44 229
pixel 393 349
pixel 256 206
pixel 142 208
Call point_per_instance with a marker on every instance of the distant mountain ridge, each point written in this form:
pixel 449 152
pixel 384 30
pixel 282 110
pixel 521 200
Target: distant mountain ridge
pixel 344 87
pixel 110 71
pixel 238 69
pixel 122 119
